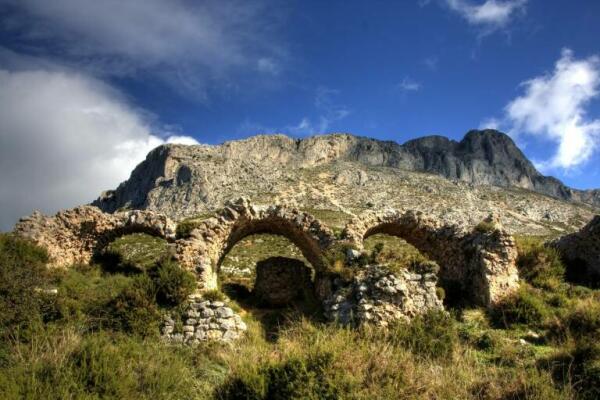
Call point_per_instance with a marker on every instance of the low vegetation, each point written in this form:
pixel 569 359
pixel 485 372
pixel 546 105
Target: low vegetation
pixel 96 337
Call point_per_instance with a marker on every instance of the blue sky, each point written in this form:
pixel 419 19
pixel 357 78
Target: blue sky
pixel 87 87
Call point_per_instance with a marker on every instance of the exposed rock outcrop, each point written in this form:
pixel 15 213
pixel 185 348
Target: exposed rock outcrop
pixel 581 252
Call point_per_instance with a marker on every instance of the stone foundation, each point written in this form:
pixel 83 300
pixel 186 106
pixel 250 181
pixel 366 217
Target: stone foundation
pixel 204 320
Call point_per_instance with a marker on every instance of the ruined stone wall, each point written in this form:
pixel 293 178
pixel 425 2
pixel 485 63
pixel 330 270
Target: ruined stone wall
pixel 481 262
pixel 209 243
pixel 581 251
pixel 75 235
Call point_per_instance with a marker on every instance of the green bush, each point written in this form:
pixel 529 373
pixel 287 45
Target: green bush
pixel 579 368
pixel 581 321
pixel 213 295
pixel 296 378
pixel 539 265
pixel 485 227
pixel 172 283
pixel 432 335
pixel 522 307
pixel 424 267
pixel 23 278
pixel 185 227
pixel 134 310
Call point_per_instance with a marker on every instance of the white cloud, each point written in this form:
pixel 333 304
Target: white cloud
pixel 330 112
pixel 490 123
pixel 187 43
pixel 491 13
pixel 553 109
pixel 409 85
pixel 63 139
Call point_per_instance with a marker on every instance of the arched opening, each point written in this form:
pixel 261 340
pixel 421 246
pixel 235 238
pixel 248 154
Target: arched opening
pixel 403 246
pixel 131 253
pixel 270 277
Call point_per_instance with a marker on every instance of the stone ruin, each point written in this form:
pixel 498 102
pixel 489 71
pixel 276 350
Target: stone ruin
pixel 481 262
pixel 581 252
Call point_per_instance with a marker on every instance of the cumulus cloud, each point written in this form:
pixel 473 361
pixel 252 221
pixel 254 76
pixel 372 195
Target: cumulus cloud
pixel 553 107
pixel 490 13
pixel 188 43
pixel 63 139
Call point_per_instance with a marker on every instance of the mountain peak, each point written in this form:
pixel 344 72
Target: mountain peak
pixel 482 157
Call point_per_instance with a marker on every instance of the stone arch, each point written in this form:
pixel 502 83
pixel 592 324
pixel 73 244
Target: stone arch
pixel 211 241
pixel 75 235
pixel 482 262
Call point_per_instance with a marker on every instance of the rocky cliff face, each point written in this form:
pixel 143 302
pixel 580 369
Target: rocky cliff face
pixel 188 180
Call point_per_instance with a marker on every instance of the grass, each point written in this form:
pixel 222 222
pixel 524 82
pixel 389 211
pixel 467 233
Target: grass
pixel 394 252
pixel 85 343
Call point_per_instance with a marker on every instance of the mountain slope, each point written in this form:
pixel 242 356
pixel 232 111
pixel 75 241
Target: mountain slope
pixel 347 173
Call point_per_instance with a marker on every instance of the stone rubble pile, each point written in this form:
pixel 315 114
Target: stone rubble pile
pixel 204 320
pixel 378 296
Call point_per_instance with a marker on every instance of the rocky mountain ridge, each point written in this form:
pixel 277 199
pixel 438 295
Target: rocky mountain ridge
pixel 320 172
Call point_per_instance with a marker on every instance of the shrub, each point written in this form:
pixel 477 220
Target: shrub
pixel 579 368
pixel 539 265
pixel 134 310
pixel 432 335
pixel 583 320
pixel 100 366
pixel 296 378
pixel 23 277
pixel 213 295
pixel 522 307
pixel 172 284
pixel 424 267
pixel 440 293
pixel 185 227
pixel 485 227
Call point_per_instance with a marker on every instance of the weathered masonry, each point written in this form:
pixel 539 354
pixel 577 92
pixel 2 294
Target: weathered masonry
pixel 479 261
